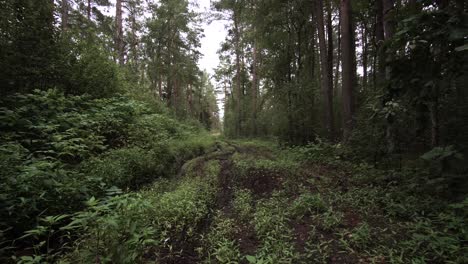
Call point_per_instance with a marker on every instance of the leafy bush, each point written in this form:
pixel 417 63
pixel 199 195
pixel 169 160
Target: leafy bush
pixel 242 204
pixel 306 204
pixel 220 240
pixel 58 151
pixel 117 230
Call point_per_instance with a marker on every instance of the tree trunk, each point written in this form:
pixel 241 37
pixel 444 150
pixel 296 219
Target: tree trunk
pixel 388 21
pixel 330 68
pixel 254 90
pixel 348 55
pixel 160 88
pixel 325 74
pixel 364 55
pixel 64 15
pixel 379 39
pixel 389 29
pixel 237 90
pixel 338 55
pixel 330 47
pixel 119 45
pixel 189 100
pixel 88 10
pixel 134 40
pixel 176 95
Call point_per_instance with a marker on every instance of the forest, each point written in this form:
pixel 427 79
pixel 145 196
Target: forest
pixel 331 131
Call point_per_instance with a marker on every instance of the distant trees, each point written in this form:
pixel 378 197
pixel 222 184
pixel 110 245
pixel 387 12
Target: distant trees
pixel 28 45
pixel 171 47
pixel 375 71
pixel 85 50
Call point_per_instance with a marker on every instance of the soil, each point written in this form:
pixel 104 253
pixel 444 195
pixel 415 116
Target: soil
pixel 262 182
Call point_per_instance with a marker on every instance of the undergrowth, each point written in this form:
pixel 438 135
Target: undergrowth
pixel 57 152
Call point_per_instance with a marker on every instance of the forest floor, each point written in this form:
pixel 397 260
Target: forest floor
pixel 257 202
pixel 271 205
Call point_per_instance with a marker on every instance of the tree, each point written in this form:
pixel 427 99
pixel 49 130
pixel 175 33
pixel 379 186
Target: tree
pixel 64 15
pixel 119 40
pixel 326 77
pixel 171 47
pixel 348 55
pixel 29 46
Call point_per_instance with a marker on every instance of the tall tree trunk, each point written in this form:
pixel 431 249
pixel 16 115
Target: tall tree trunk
pixel 88 10
pixel 134 40
pixel 237 90
pixel 64 15
pixel 325 74
pixel 254 89
pixel 338 55
pixel 330 68
pixel 160 88
pixel 330 47
pixel 189 99
pixel 364 55
pixel 176 95
pixel 389 29
pixel 348 74
pixel 119 45
pixel 379 39
pixel 388 21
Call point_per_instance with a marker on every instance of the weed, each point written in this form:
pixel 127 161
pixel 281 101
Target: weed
pixel 331 219
pixel 359 237
pixel 242 204
pixel 306 204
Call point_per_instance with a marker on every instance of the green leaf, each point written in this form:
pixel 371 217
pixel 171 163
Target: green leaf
pixel 251 259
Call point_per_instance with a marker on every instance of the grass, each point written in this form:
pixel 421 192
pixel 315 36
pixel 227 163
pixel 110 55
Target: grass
pixel 274 205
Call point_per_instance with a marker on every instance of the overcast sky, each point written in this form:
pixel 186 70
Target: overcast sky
pixel 215 33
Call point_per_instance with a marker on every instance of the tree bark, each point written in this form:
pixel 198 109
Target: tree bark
pixel 119 45
pixel 364 55
pixel 64 15
pixel 330 68
pixel 254 90
pixel 379 39
pixel 327 91
pixel 348 55
pixel 388 21
pixel 189 100
pixel 338 55
pixel 88 10
pixel 330 46
pixel 238 74
pixel 160 88
pixel 389 29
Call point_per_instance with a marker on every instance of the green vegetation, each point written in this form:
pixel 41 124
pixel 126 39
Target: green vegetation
pixel 343 138
pixel 58 152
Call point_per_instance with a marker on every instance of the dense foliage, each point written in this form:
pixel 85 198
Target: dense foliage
pixel 58 151
pixel 105 155
pixel 284 70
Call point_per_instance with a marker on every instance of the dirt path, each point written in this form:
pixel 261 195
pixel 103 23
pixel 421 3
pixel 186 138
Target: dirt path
pixel 270 208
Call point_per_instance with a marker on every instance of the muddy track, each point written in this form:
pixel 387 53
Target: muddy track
pixel 260 181
pixel 222 201
pixel 225 191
